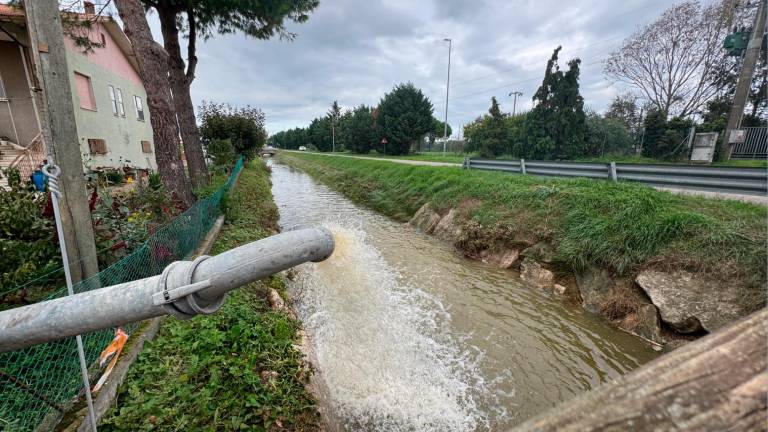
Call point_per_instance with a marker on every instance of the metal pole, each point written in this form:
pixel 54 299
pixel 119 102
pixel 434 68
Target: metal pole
pixel 514 101
pixel 744 83
pixel 447 87
pixel 53 171
pixel 185 289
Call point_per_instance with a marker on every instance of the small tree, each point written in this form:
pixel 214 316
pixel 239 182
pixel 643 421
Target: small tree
pixel 360 131
pixel 556 126
pixel 404 115
pixel 334 115
pixel 438 130
pixel 243 127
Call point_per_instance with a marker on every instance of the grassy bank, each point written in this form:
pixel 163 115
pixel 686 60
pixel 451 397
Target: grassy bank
pixel 233 370
pixel 620 226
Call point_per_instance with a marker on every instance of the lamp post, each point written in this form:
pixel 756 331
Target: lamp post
pixel 447 86
pixel 514 101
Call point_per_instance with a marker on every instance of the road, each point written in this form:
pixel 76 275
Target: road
pixel 755 199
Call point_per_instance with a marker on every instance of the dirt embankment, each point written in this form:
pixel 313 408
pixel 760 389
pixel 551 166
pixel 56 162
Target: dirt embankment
pixel 663 307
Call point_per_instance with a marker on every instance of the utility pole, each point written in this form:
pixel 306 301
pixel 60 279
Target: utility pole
pixel 744 83
pixel 514 101
pixel 447 86
pixel 57 124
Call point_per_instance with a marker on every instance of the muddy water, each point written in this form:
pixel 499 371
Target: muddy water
pixel 407 335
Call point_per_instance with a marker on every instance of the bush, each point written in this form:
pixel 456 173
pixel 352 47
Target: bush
pixel 114 177
pixel 27 238
pixel 221 152
pixel 243 127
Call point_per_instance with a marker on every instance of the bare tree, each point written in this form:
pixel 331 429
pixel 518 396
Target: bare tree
pixel 153 70
pixel 673 61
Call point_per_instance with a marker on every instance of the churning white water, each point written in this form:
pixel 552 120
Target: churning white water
pixel 406 335
pixel 386 354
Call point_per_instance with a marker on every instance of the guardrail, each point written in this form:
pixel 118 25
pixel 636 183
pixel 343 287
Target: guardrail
pixel 751 181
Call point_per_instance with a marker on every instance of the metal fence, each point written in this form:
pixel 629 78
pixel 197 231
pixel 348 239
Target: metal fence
pixel 752 181
pixel 755 145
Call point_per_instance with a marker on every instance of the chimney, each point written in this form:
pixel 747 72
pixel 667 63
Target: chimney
pixel 89 8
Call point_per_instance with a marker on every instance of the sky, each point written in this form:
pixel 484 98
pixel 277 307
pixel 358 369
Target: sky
pixel 355 51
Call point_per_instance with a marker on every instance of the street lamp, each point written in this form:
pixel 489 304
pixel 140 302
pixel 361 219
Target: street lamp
pixel 514 103
pixel 447 85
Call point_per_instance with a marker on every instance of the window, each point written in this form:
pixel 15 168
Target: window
pixel 146 147
pixel 120 105
pixel 85 91
pixel 139 108
pixel 113 99
pixel 97 146
pixel 2 89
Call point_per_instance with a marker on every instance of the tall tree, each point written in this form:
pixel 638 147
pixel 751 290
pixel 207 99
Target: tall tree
pixel 556 126
pixel 334 114
pixel 674 61
pixel 405 116
pixel 153 70
pixel 257 19
pixel 360 131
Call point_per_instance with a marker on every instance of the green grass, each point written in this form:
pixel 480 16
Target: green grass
pixel 621 226
pixel 236 369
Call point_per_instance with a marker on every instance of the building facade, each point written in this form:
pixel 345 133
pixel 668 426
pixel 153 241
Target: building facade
pixel 109 101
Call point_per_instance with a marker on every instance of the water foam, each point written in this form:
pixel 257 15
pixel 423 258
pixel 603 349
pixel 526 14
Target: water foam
pixel 385 353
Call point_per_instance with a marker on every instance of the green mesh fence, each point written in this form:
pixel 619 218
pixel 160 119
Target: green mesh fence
pixel 38 384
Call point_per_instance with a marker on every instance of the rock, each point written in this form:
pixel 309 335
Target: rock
pixel 541 252
pixel 447 229
pixel 689 303
pixel 425 219
pixel 533 273
pixel 504 259
pixel 595 286
pixel 559 289
pixel 647 323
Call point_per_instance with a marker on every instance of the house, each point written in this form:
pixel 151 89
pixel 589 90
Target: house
pixel 109 100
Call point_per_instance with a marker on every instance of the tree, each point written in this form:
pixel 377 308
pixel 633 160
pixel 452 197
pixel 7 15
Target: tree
pixel 437 131
pixel 360 131
pixel 556 126
pixel 153 70
pixel 243 127
pixel 334 114
pixel 405 115
pixel 260 20
pixel 607 135
pixel 490 139
pixel 625 110
pixel 320 135
pixel 673 61
pixel 664 139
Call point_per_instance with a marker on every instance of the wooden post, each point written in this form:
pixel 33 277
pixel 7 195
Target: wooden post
pixel 57 124
pixel 718 383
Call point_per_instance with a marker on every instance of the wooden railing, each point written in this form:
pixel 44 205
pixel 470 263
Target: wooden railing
pixel 30 158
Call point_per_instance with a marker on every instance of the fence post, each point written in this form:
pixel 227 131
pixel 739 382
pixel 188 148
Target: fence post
pixel 522 166
pixel 612 171
pixel 465 165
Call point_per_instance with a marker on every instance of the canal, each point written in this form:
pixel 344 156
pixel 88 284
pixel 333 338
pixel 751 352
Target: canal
pixel 407 335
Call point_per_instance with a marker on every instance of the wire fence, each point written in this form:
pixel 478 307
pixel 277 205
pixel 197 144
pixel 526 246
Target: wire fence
pixel 40 383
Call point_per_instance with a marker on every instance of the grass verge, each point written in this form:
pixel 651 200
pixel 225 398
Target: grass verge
pixel 236 369
pixel 620 226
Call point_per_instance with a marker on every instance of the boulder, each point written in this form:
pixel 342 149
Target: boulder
pixel 644 323
pixel 689 303
pixel 504 259
pixel 447 229
pixel 425 219
pixel 595 286
pixel 535 274
pixel 541 252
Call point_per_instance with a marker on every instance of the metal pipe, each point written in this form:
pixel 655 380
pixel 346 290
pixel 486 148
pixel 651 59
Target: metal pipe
pixel 185 289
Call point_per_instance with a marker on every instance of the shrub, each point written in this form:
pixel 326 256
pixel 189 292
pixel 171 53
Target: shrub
pixel 221 151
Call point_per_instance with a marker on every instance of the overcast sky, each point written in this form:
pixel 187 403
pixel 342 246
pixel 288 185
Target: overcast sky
pixel 354 51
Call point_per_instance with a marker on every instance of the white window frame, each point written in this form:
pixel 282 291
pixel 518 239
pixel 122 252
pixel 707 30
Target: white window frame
pixel 120 104
pixel 139 105
pixel 3 94
pixel 113 99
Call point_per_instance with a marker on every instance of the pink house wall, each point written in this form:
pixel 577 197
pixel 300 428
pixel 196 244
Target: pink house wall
pixel 111 57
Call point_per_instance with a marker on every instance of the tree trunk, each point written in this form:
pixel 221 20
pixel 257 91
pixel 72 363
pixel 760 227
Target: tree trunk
pixel 180 80
pixel 153 69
